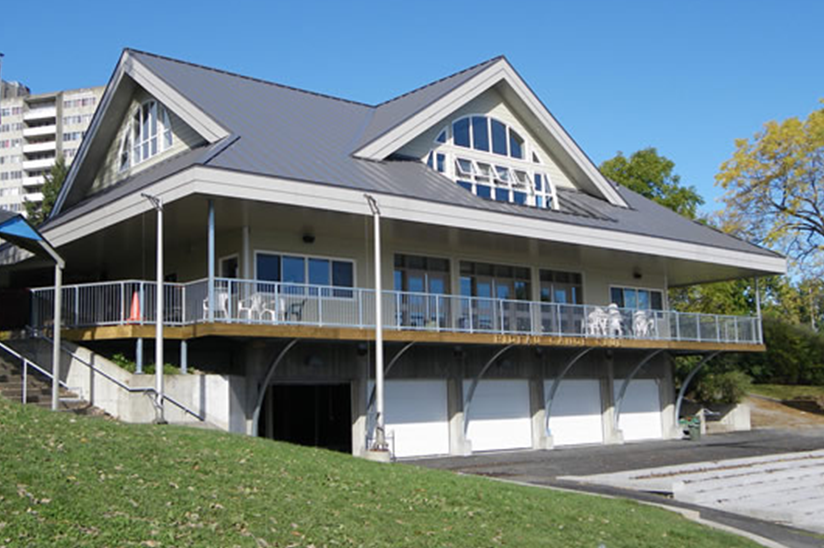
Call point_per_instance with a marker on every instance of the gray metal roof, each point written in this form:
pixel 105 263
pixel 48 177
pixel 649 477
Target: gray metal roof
pixel 293 134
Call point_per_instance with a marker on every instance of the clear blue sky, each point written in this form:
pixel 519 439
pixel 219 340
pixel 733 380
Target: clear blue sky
pixel 688 77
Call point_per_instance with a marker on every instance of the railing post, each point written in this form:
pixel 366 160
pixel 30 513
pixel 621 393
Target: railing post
pixel 698 327
pixel 437 313
pixel 320 306
pixel 360 308
pixel 717 329
pixel 25 380
pixel 398 311
pixel 123 304
pixel 76 306
pixel 471 318
pixel 736 329
pixel 501 313
pixel 677 326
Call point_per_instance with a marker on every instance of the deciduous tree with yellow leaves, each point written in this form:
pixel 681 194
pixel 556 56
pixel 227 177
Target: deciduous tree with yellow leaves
pixel 774 193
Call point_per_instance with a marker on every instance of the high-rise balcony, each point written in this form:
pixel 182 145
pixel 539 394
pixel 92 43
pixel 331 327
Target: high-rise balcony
pixel 40 113
pixel 40 131
pixel 42 163
pixel 46 146
pixel 32 181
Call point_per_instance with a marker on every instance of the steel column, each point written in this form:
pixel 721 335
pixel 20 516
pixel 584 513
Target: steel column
pixel 211 259
pixel 371 402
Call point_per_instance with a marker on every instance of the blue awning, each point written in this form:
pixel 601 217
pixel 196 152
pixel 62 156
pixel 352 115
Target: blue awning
pixel 15 229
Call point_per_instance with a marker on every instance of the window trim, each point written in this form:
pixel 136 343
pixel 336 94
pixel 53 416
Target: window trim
pixel 662 291
pixel 306 258
pixel 163 127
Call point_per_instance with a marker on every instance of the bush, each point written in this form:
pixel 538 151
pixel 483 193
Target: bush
pixel 795 355
pixel 148 369
pixel 725 387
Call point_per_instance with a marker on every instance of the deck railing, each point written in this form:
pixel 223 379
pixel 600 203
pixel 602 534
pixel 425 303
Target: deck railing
pixel 132 302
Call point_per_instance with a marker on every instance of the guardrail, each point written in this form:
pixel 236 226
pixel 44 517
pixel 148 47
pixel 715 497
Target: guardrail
pixel 132 302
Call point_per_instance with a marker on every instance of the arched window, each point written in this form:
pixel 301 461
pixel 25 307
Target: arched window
pixel 151 132
pixel 489 158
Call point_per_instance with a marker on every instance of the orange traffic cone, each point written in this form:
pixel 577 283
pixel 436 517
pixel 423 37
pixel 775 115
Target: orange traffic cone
pixel 134 313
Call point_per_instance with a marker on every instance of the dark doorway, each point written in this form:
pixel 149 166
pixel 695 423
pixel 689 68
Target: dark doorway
pixel 317 415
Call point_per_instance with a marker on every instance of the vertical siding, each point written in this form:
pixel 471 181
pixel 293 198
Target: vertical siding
pixel 183 138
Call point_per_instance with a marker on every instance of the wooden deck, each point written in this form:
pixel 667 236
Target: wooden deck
pixel 237 330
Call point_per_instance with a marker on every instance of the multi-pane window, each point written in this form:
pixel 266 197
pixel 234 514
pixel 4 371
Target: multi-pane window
pixel 418 274
pixel 561 287
pixel 150 134
pixel 300 270
pixel 642 299
pixel 495 281
pixel 73 135
pixel 488 158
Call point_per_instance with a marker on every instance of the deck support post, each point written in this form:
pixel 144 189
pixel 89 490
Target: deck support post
pixel 184 356
pixel 58 312
pixel 138 356
pixel 211 258
pixel 620 399
pixel 371 415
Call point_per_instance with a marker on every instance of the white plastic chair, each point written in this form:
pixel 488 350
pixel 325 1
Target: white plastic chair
pixel 250 307
pixel 221 305
pixel 615 322
pixel 597 322
pixel 641 324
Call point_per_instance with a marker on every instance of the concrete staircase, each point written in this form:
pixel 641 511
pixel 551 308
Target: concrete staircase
pixel 38 388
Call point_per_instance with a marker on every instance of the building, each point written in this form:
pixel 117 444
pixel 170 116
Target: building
pixel 34 130
pixel 524 296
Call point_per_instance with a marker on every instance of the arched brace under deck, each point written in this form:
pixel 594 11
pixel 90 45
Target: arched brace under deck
pixel 474 385
pixel 623 392
pixel 265 384
pixel 371 414
pixel 557 383
pixel 683 391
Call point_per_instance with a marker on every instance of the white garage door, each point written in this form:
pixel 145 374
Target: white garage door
pixel 575 417
pixel 499 415
pixel 641 411
pixel 416 416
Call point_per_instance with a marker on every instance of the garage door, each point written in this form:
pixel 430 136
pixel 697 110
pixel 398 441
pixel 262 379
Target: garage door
pixel 499 415
pixel 641 411
pixel 416 416
pixel 576 412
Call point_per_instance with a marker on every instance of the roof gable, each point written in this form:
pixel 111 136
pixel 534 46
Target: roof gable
pixel 129 76
pixel 455 92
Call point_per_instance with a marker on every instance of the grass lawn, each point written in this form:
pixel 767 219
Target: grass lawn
pixel 787 392
pixel 77 481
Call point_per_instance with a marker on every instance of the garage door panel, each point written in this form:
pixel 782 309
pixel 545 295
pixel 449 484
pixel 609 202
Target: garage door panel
pixel 576 414
pixel 416 416
pixel 499 415
pixel 640 411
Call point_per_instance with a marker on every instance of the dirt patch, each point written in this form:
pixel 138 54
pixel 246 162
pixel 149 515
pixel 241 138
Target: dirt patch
pixel 767 413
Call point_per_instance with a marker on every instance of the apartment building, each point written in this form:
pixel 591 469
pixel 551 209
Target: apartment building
pixel 34 130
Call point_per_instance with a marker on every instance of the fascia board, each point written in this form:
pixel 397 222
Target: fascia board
pixel 91 132
pixel 244 186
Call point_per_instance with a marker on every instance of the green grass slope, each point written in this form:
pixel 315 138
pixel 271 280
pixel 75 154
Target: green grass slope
pixel 76 481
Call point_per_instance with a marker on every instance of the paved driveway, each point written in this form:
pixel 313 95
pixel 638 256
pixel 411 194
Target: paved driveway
pixel 546 467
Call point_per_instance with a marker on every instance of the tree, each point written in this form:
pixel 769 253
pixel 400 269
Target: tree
pixel 38 212
pixel 650 175
pixel 773 188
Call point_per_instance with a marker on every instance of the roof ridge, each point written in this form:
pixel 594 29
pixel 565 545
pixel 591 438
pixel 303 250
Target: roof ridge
pixel 417 89
pixel 250 78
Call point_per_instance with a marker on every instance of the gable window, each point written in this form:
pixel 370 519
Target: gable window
pixel 488 158
pixel 150 133
pixel 641 299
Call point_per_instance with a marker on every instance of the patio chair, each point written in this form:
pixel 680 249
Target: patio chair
pixel 292 311
pixel 615 322
pixel 596 323
pixel 221 305
pixel 641 324
pixel 250 307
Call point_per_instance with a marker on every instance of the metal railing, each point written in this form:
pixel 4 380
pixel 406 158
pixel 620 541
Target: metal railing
pixel 25 364
pixel 131 302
